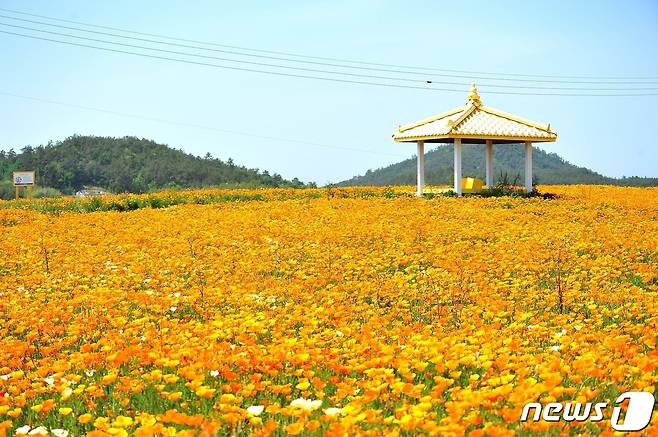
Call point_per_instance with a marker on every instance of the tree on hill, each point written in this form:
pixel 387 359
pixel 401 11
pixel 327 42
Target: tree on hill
pixel 548 168
pixel 129 164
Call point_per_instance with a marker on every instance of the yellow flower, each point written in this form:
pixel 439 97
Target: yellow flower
pixel 122 422
pixel 102 423
pixel 85 418
pixel 387 308
pixel 109 378
pixel 304 385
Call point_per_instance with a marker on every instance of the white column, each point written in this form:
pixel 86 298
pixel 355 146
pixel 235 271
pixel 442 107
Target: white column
pixel 489 164
pixel 420 179
pixel 528 166
pixel 458 166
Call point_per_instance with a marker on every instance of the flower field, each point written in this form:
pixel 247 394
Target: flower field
pixel 324 312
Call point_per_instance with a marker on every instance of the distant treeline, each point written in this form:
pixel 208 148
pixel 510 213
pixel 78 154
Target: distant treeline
pixel 127 164
pixel 548 168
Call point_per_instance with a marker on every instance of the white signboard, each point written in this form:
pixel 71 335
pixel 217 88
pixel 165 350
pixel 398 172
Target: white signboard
pixel 23 178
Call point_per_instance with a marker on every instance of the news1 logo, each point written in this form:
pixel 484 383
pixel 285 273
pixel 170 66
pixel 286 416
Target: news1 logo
pixel 638 412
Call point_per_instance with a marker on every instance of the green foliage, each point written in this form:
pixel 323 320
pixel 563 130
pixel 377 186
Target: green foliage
pixel 511 191
pixel 497 191
pixel 390 193
pixel 164 199
pixel 40 192
pixel 505 180
pixel 7 190
pixel 129 164
pixel 548 168
pixel 6 166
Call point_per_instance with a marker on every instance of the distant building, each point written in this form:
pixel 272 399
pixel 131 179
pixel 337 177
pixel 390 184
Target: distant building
pixel 91 191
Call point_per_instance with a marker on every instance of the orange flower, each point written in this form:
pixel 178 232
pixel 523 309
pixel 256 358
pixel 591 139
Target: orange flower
pixel 354 311
pixel 294 428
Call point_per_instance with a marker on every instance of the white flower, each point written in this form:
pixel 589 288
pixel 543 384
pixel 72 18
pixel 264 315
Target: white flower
pixel 333 411
pixel 5 377
pixel 49 380
pixel 255 410
pixel 90 373
pixel 306 404
pixel 59 432
pixel 314 405
pixel 298 402
pixel 66 393
pixel 214 373
pixel 23 430
pixel 555 348
pixel 39 430
pixel 339 333
pixel 172 309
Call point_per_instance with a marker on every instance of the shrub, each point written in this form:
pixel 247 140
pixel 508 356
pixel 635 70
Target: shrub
pixel 40 192
pixel 6 190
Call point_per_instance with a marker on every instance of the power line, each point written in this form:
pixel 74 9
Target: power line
pixel 186 61
pixel 278 58
pixel 470 73
pixel 260 64
pixel 425 81
pixel 328 64
pixel 323 78
pixel 198 126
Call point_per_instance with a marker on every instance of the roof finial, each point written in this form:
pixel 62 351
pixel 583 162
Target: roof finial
pixel 474 96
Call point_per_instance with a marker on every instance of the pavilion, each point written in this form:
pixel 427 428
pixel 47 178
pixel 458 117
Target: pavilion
pixel 474 123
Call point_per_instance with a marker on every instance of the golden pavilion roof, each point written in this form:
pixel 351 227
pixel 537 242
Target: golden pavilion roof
pixel 474 123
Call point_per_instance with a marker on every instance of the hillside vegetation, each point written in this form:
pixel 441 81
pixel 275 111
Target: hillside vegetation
pixel 127 164
pixel 548 168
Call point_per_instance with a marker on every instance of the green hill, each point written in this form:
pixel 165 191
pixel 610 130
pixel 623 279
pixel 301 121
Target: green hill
pixel 548 168
pixel 127 164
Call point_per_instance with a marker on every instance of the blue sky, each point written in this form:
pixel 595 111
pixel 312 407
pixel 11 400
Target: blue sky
pixel 613 135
